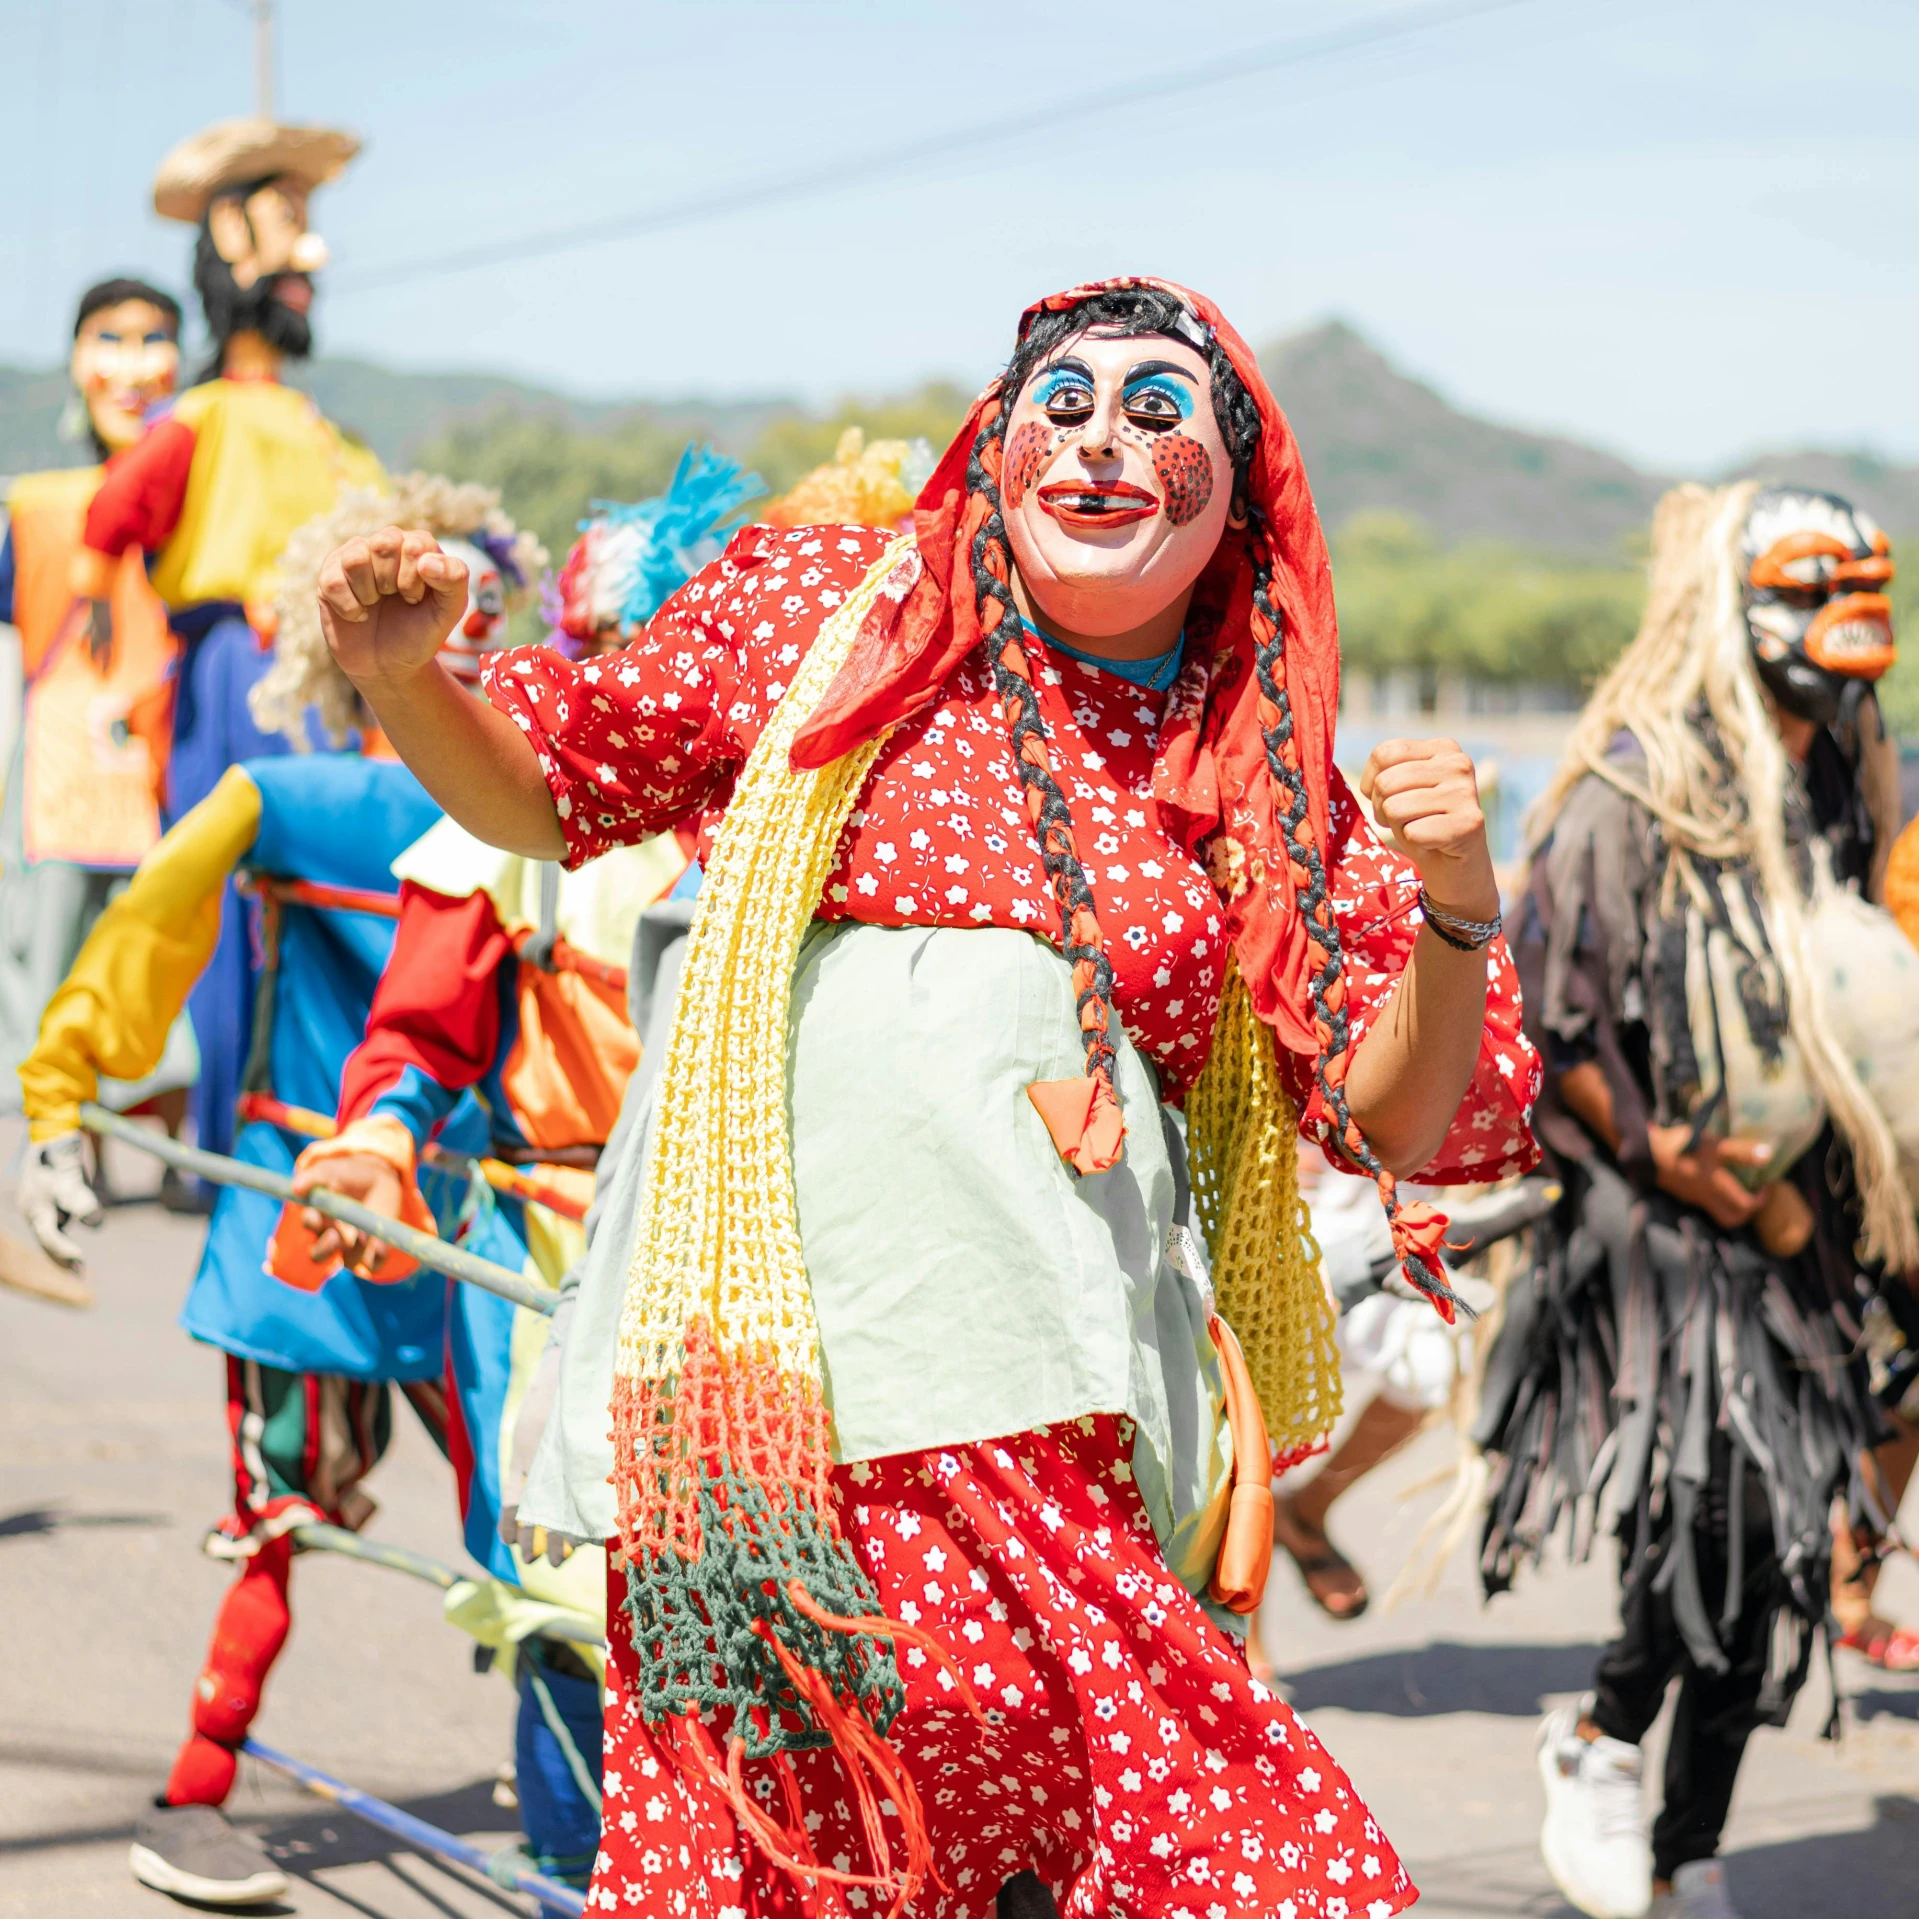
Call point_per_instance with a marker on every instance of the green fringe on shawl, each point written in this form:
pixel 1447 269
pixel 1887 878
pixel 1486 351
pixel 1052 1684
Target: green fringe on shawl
pixel 698 1624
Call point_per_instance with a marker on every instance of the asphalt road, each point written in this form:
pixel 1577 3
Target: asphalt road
pixel 112 1463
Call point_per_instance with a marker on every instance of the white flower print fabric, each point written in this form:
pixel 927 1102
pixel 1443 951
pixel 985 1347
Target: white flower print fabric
pixel 1128 1758
pixel 649 738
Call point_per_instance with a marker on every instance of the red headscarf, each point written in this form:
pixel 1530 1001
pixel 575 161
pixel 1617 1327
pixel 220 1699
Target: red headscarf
pixel 1213 772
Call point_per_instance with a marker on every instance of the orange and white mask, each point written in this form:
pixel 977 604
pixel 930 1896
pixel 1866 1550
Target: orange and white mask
pixel 1815 572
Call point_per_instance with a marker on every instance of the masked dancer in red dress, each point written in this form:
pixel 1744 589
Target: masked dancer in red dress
pixel 939 1481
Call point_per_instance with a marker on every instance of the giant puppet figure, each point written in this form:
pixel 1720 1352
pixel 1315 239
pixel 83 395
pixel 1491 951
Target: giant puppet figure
pixel 1729 1027
pixel 81 797
pixel 310 1376
pixel 488 1003
pixel 213 491
pixel 1015 827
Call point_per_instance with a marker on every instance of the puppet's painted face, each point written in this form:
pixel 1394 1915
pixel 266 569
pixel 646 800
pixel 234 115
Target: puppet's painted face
pixel 1116 483
pixel 1816 569
pixel 125 360
pixel 270 256
pixel 482 627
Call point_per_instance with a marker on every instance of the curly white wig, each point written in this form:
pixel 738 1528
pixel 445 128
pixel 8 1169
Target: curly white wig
pixel 303 675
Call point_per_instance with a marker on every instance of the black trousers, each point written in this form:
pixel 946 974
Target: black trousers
pixel 1716 1711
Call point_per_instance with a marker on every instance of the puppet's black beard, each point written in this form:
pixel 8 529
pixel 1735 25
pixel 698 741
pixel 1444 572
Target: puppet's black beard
pixel 231 309
pixel 258 310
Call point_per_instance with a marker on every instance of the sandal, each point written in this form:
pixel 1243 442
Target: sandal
pixel 1332 1581
pixel 1892 1648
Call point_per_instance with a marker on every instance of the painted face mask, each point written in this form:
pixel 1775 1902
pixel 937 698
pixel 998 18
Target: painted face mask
pixel 482 628
pixel 1117 482
pixel 125 360
pixel 1815 573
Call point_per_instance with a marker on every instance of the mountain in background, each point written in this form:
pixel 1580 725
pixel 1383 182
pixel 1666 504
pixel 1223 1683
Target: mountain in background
pixel 1374 440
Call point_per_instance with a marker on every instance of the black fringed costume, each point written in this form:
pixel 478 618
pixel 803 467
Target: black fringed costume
pixel 1651 1365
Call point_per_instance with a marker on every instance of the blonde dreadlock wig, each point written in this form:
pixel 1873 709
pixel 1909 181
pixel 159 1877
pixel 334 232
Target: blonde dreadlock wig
pixel 303 677
pixel 1715 777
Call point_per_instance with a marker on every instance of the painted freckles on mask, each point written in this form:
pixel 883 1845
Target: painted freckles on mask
pixel 1025 455
pixel 1184 470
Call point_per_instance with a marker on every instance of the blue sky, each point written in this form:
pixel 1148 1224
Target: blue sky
pixel 1682 230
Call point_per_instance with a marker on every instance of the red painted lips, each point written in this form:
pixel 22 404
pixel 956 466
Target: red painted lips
pixel 1082 504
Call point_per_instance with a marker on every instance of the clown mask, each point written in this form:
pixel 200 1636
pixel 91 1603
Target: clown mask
pixel 1815 568
pixel 482 627
pixel 126 359
pixel 1115 483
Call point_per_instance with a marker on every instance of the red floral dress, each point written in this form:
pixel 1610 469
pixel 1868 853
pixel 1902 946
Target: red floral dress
pixel 1129 1757
pixel 640 740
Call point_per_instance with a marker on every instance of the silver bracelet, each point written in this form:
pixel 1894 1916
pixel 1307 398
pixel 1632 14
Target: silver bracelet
pixel 1463 935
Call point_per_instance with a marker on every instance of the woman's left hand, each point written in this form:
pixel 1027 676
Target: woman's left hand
pixel 1425 797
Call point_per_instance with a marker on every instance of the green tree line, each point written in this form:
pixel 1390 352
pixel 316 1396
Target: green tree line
pixel 1482 610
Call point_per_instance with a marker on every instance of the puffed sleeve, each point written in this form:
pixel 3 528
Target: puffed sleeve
pixel 138 502
pixel 1375 896
pixel 633 742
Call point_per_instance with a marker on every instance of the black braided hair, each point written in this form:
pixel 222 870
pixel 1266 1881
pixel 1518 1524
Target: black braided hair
pixel 1315 908
pixel 1128 312
pixel 1058 848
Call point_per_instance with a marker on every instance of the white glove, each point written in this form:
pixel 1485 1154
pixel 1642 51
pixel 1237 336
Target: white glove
pixel 54 1195
pixel 536 1408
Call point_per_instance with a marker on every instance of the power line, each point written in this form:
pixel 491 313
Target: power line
pixel 860 168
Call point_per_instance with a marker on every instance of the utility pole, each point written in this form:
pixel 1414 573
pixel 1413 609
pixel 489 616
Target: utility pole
pixel 263 58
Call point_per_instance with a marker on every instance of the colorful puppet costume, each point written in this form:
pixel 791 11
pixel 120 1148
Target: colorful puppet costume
pixel 310 1374
pixel 212 494
pixel 922 1459
pixel 81 809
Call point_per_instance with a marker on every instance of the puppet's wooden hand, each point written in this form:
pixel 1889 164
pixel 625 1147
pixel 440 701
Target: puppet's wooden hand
pixel 1426 799
pixel 374 1182
pixel 388 600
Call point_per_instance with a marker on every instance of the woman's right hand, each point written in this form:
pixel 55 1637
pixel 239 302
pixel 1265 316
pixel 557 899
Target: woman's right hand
pixel 388 601
pixel 1707 1175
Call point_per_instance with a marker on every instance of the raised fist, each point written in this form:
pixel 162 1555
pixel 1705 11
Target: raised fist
pixel 1425 798
pixel 388 600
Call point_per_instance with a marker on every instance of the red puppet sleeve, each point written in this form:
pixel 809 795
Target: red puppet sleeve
pixel 435 1023
pixel 433 1031
pixel 142 491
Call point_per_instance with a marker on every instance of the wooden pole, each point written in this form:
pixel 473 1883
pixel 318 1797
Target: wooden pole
pixel 263 58
pixel 454 1261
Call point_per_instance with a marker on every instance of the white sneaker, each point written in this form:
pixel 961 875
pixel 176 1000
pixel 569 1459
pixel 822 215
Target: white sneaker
pixel 1698 1892
pixel 1594 1841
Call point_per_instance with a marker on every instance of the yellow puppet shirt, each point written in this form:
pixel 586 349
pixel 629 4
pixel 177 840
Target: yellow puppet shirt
pixel 265 461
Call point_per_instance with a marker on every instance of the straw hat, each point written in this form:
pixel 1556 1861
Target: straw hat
pixel 233 153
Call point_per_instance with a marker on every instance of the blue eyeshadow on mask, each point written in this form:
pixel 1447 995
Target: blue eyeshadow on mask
pixel 1057 381
pixel 1165 385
